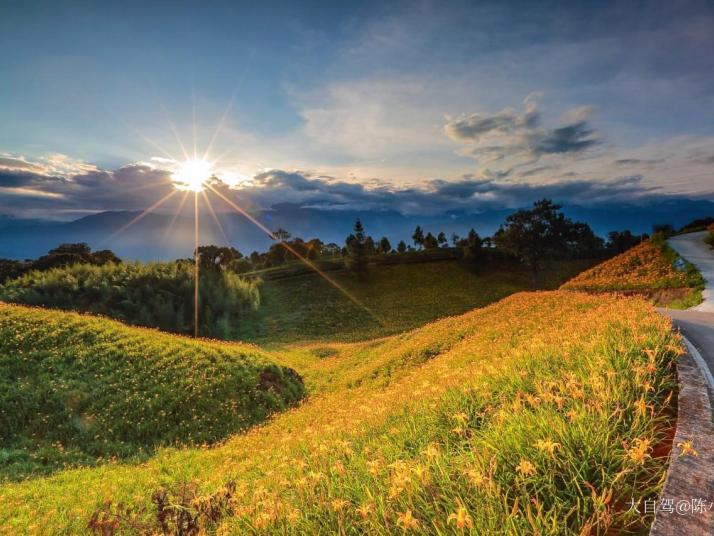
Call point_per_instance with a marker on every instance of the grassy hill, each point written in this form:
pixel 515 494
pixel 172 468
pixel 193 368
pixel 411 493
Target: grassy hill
pixel 546 412
pixel 648 269
pixel 78 389
pixel 397 298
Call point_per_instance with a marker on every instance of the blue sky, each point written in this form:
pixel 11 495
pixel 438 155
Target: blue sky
pixel 360 101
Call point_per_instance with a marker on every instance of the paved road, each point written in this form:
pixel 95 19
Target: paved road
pixel 697 323
pixel 693 248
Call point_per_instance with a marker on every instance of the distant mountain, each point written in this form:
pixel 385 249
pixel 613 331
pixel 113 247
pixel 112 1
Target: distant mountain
pixel 158 236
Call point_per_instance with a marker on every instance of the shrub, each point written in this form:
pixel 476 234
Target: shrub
pixel 155 294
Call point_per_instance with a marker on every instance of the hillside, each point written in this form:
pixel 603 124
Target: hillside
pixel 651 268
pixel 397 298
pixel 540 411
pixel 80 390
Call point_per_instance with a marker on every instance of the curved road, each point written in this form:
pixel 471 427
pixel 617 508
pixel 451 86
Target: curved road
pixel 697 323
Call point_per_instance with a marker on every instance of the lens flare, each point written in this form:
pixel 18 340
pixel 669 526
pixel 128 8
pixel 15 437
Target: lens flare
pixel 192 175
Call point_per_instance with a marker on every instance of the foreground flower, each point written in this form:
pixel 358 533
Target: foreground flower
pixel 639 451
pixel 546 445
pixel 407 521
pixel 460 518
pixel 687 449
pixel 526 468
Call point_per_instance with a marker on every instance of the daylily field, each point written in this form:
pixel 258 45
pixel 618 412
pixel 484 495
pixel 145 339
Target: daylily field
pixel 546 413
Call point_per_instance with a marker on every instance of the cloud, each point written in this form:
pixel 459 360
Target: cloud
pixel 508 134
pixel 34 187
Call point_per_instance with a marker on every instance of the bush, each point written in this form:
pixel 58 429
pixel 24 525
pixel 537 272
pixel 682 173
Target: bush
pixel 155 294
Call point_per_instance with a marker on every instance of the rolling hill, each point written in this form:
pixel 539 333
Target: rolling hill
pixel 650 269
pixel 396 298
pixel 78 389
pixel 543 410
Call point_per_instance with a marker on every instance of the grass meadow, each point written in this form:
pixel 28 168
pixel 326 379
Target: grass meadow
pixel 81 390
pixel 546 412
pixel 400 297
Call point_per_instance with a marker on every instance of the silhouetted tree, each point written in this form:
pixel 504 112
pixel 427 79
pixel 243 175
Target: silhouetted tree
pixel 105 256
pixel 418 237
pixel 384 245
pixel 356 259
pixel 536 234
pixel 216 257
pixel 281 234
pixel 369 247
pixel 10 269
pixel 441 239
pixel 401 247
pixel 473 247
pixel 430 241
pixel 663 229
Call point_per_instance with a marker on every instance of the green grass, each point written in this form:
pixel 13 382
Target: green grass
pixel 79 390
pixel 543 413
pixel 691 299
pixel 396 298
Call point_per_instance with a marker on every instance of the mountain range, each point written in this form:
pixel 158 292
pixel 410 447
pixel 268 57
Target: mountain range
pixel 156 236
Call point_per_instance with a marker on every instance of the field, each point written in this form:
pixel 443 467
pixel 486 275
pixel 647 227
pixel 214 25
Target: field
pixel 647 269
pixel 543 413
pixel 80 390
pixel 397 298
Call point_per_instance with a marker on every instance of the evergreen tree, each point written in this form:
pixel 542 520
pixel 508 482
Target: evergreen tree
pixel 441 239
pixel 384 245
pixel 418 237
pixel 430 241
pixel 401 247
pixel 356 243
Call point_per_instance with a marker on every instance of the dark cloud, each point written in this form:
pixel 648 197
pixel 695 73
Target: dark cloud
pixel 509 134
pixel 469 193
pixel 636 161
pixel 569 139
pixel 138 186
pixel 473 127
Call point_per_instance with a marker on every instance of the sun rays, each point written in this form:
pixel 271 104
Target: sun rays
pixel 201 175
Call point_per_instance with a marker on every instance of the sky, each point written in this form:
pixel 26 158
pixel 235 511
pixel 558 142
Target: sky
pixel 413 106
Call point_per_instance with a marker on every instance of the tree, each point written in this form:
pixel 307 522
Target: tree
pixel 216 257
pixel 418 237
pixel 472 247
pixel 441 239
pixel 430 241
pixel 621 241
pixel 401 247
pixel 105 256
pixel 331 250
pixel 663 229
pixel 455 239
pixel 356 259
pixel 369 247
pixel 240 266
pixel 582 241
pixel 281 235
pixel 384 245
pixel 10 269
pixel 536 234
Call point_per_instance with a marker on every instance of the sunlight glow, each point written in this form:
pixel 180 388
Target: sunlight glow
pixel 192 175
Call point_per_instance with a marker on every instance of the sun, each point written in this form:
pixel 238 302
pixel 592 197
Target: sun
pixel 192 175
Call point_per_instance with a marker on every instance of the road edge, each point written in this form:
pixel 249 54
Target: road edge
pixel 690 477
